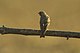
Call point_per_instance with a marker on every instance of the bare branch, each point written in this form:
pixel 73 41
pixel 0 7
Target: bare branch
pixel 32 32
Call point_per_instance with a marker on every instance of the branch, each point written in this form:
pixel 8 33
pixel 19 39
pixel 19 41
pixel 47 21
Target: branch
pixel 32 32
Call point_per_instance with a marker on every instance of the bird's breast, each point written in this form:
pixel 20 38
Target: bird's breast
pixel 48 19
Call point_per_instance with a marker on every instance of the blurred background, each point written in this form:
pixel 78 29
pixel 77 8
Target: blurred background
pixel 65 16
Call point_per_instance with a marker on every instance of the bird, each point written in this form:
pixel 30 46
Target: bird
pixel 44 23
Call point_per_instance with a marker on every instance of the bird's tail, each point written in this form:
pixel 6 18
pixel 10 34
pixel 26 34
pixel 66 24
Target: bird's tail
pixel 42 33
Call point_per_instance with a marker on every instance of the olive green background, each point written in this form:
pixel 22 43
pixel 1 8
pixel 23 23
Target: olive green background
pixel 65 15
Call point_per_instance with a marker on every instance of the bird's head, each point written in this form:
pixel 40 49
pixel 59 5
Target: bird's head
pixel 41 13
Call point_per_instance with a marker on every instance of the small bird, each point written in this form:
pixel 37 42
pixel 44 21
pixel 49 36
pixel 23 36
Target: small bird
pixel 44 23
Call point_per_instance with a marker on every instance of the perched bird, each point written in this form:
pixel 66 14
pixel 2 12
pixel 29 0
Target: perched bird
pixel 44 23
